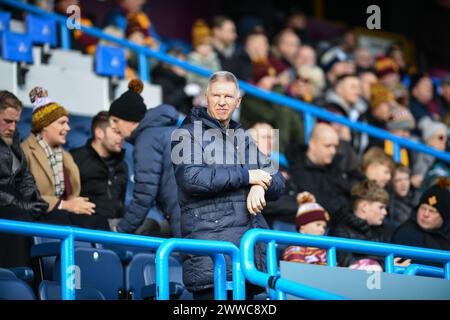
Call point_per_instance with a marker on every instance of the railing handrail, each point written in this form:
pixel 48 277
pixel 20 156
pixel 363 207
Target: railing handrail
pixel 251 237
pixel 68 235
pixel 202 247
pixel 308 109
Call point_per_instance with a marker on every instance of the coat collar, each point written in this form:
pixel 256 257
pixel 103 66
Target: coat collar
pixel 39 154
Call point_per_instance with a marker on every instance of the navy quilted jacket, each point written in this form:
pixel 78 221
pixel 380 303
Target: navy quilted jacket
pixel 154 179
pixel 213 197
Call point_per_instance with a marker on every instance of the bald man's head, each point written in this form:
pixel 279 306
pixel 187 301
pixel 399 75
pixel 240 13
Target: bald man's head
pixel 323 143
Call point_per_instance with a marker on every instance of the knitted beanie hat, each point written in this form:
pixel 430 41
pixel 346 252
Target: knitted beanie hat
pixel 438 196
pixel 384 66
pixel 401 119
pixel 309 211
pixel 430 128
pixel 130 105
pixel 379 94
pixel 45 110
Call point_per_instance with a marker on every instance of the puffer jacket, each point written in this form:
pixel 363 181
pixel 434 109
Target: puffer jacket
pixel 153 171
pixel 213 196
pixel 19 185
pixel 353 227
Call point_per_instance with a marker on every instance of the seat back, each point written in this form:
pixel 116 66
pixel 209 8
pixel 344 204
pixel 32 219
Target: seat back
pixel 98 268
pixel 14 289
pixel 110 61
pixel 141 273
pixel 41 30
pixel 16 47
pixel 50 290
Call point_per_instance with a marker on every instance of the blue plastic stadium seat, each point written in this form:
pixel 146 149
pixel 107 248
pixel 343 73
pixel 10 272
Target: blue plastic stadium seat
pixel 110 61
pixel 100 269
pixel 5 18
pixel 50 290
pixel 140 278
pixel 76 139
pixel 16 47
pixel 42 30
pixel 12 288
pixel 47 250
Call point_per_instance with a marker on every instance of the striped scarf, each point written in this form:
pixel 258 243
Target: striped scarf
pixel 55 157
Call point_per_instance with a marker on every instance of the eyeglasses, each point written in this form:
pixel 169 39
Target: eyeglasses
pixel 442 137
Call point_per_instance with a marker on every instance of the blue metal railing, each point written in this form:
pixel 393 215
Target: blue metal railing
pixel 281 286
pixel 68 235
pixel 309 111
pixel 215 249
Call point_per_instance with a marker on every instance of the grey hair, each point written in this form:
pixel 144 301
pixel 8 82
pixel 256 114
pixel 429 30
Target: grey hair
pixel 223 76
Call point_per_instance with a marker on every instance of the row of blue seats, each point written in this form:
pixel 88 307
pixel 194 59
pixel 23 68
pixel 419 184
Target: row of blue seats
pixel 102 273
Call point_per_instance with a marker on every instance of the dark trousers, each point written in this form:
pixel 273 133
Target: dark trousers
pixel 15 249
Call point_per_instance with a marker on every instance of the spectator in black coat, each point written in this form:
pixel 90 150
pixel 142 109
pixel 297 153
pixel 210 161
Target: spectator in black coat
pixel 429 225
pixel 154 181
pixel 364 223
pixel 315 169
pixel 404 197
pixel 103 171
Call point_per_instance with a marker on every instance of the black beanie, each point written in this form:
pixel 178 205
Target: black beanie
pixel 130 105
pixel 438 196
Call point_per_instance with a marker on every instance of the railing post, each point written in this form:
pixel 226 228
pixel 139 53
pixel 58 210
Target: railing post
pixel 272 268
pixel 65 36
pixel 447 271
pixel 162 274
pixel 220 277
pixel 309 125
pixel 68 281
pixel 143 68
pixel 238 277
pixel 389 264
pixel 397 152
pixel 331 257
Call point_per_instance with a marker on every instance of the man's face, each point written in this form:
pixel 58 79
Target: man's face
pixel 263 136
pixel 374 213
pixel 424 90
pixel 122 127
pixel 349 90
pixel 289 46
pixel 226 33
pixel 111 140
pixel 380 173
pixel 363 58
pixel 428 217
pixel 306 57
pixel 324 148
pixel 9 118
pixel 222 99
pixel 401 183
pixel 367 80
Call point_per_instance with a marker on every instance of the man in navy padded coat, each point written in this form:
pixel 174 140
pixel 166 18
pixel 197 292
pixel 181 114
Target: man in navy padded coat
pixel 149 131
pixel 222 185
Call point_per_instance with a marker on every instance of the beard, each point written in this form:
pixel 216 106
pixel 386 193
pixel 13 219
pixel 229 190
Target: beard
pixel 8 140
